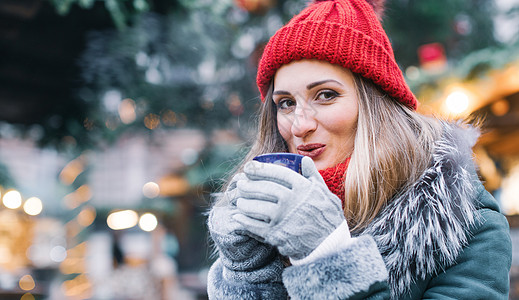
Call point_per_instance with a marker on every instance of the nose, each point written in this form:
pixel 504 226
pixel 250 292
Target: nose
pixel 304 121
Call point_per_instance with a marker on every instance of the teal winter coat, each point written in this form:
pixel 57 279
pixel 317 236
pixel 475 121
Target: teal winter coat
pixel 443 237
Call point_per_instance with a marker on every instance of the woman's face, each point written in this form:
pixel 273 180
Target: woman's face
pixel 317 109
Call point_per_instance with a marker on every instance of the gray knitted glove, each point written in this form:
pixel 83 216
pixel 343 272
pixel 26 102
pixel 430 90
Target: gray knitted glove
pixel 238 251
pixel 244 257
pixel 291 211
pixel 231 193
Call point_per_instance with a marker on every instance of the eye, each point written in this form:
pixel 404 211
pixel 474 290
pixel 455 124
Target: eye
pixel 285 104
pixel 326 95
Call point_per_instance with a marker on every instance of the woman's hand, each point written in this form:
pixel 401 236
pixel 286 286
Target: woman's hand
pixel 231 193
pixel 238 250
pixel 290 211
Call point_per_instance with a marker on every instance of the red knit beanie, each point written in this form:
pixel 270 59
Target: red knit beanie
pixel 343 32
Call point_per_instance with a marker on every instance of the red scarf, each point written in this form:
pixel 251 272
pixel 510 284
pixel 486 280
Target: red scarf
pixel 334 178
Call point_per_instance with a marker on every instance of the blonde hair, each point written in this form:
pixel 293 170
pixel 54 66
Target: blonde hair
pixel 393 146
pixel 268 139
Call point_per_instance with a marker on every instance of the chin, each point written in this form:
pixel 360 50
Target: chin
pixel 322 165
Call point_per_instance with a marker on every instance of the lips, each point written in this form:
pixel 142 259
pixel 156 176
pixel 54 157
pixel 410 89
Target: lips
pixel 311 150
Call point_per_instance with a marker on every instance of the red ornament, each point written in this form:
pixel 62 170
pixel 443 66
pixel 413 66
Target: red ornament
pixel 432 57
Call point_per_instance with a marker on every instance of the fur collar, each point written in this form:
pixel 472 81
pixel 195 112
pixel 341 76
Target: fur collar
pixel 422 230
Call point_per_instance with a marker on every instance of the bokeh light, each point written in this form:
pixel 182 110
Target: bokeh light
pixel 150 189
pixel 412 72
pixel 457 102
pixel 111 100
pixel 27 283
pixel 127 111
pixel 87 216
pixel 151 121
pixel 500 107
pixel 27 296
pixel 71 171
pixel 77 288
pixel 58 254
pixel 79 196
pixel 12 199
pixel 33 206
pixel 122 219
pixel 148 222
pixel 169 117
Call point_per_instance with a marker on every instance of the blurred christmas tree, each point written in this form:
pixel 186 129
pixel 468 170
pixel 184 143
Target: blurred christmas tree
pixel 178 63
pixel 192 66
pixel 461 26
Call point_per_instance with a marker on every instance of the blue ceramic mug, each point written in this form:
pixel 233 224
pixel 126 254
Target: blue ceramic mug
pixel 289 160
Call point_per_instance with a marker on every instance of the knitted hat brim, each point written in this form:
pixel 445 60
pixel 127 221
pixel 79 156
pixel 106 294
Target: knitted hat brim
pixel 337 44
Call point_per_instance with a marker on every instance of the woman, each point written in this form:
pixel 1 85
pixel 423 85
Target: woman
pixel 388 204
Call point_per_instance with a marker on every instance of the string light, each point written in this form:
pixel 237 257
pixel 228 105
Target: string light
pixel 12 199
pixel 457 102
pixel 122 219
pixel 33 206
pixel 148 222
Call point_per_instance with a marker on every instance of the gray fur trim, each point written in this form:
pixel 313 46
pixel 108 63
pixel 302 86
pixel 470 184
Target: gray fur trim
pixel 338 276
pixel 422 231
pixel 220 286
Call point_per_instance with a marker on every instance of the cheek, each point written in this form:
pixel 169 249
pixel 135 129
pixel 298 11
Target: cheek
pixel 343 126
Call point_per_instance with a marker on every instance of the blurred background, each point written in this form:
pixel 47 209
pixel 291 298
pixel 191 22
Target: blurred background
pixel 119 118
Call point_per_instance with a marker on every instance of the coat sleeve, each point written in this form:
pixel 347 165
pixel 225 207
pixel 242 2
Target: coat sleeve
pixel 357 272
pixel 264 283
pixel 476 276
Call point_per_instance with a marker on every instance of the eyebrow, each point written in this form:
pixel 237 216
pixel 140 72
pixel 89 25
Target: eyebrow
pixel 314 84
pixel 308 87
pixel 280 93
